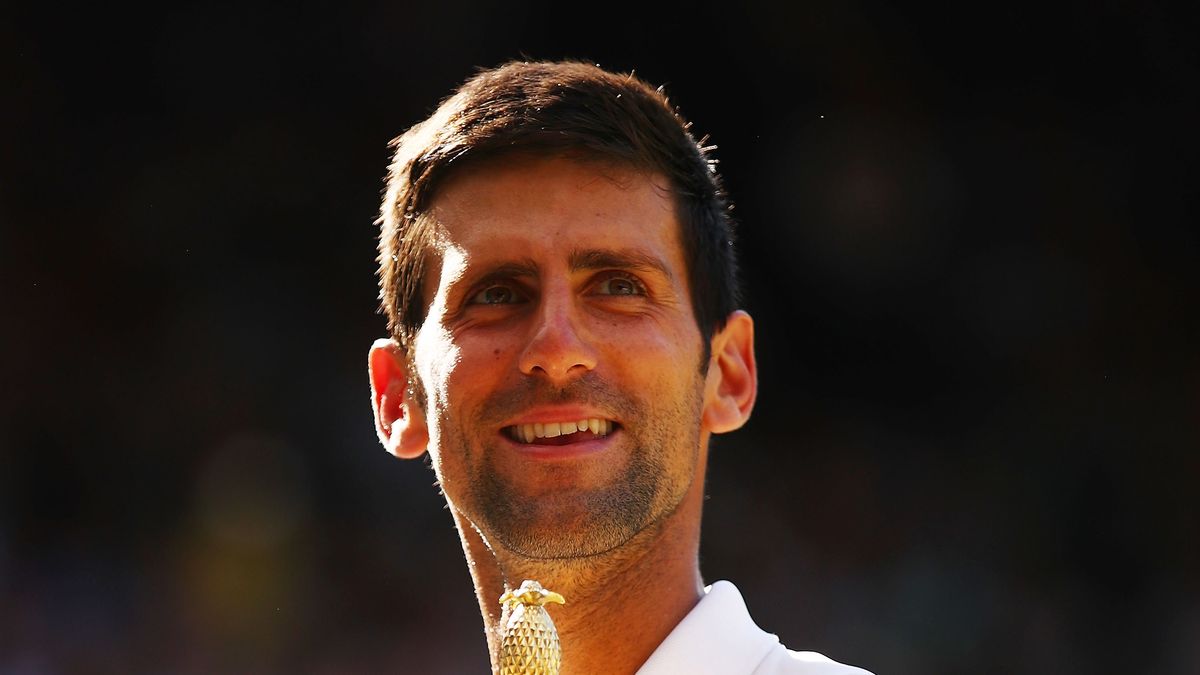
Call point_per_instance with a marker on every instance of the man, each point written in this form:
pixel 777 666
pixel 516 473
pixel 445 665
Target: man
pixel 557 270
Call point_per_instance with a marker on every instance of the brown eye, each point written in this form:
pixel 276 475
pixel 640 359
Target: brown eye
pixel 496 295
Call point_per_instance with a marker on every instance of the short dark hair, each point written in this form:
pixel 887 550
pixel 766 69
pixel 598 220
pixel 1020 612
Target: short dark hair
pixel 571 108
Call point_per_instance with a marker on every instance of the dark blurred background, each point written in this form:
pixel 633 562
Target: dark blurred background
pixel 969 242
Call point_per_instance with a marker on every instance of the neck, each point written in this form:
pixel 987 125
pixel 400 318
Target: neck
pixel 620 604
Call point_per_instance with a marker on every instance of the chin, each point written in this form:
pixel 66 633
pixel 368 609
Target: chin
pixel 566 526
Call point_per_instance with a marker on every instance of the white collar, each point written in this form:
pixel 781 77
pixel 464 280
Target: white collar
pixel 717 637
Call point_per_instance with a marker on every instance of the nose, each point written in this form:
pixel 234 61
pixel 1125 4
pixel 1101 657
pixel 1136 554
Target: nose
pixel 556 349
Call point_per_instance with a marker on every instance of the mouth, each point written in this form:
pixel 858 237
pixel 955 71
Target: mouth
pixel 561 433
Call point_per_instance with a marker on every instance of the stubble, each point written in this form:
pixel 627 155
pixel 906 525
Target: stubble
pixel 581 522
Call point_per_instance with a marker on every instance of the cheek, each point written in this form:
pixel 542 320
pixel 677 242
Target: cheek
pixel 653 344
pixel 473 368
pixel 437 359
pixel 485 354
pixel 663 362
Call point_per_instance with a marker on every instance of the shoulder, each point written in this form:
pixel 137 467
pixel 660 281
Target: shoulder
pixel 783 661
pixel 718 637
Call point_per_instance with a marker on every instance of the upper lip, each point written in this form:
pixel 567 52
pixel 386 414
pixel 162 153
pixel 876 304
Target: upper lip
pixel 547 415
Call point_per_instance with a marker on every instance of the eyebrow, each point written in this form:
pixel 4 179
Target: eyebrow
pixel 513 269
pixel 626 258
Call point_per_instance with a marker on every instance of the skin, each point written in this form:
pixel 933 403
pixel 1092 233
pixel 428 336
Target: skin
pixel 559 291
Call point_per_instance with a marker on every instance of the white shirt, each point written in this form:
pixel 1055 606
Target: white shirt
pixel 718 637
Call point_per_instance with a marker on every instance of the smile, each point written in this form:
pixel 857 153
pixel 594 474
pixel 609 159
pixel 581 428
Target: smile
pixel 568 431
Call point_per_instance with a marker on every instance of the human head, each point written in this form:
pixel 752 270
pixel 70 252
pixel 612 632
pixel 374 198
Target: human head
pixel 567 108
pixel 550 181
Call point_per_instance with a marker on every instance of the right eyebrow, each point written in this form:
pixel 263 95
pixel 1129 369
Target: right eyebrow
pixel 506 270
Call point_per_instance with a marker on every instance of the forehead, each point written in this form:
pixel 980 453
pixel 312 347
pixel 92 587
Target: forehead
pixel 544 207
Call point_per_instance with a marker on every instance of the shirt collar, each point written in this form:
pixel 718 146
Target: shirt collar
pixel 717 637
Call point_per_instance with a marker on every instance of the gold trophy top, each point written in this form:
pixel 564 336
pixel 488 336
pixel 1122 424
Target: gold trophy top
pixel 528 639
pixel 531 593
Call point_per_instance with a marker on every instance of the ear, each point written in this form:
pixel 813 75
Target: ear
pixel 399 420
pixel 732 382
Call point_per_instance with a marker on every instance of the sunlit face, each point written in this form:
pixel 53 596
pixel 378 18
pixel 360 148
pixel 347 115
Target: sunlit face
pixel 560 355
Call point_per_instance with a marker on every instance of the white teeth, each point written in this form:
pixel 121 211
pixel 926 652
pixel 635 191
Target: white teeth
pixel 529 432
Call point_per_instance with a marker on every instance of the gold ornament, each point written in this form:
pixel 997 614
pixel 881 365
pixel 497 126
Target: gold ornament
pixel 528 639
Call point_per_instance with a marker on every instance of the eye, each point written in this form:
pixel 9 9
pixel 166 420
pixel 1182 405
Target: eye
pixel 618 284
pixel 497 294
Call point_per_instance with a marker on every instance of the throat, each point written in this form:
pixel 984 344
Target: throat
pixel 599 601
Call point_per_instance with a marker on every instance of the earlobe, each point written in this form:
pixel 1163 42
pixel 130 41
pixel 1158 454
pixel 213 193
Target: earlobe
pixel 732 383
pixel 399 421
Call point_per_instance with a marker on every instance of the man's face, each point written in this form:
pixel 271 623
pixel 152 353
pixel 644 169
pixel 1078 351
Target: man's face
pixel 558 298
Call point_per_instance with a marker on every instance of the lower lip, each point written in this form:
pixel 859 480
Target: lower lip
pixel 551 453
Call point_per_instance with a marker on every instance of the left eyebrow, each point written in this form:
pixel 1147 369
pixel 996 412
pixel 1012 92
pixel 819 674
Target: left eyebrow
pixel 625 259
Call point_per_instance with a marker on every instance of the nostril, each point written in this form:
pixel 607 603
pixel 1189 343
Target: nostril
pixel 557 353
